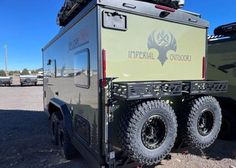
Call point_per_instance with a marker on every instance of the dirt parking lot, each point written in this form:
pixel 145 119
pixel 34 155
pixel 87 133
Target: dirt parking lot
pixel 25 140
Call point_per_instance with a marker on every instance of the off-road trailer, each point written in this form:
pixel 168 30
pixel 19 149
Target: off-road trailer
pixel 114 75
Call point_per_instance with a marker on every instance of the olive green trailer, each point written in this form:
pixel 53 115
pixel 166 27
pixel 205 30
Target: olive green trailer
pixel 123 76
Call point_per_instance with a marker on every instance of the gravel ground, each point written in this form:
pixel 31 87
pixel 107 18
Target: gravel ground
pixel 25 139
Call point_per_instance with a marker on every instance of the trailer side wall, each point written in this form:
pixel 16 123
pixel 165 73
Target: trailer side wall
pixel 71 75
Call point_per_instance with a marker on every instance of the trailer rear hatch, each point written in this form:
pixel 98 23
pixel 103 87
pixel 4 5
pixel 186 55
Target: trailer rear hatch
pixel 143 48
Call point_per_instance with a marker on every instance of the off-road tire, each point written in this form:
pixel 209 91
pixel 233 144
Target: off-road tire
pixel 191 118
pixel 67 148
pixel 54 129
pixel 132 123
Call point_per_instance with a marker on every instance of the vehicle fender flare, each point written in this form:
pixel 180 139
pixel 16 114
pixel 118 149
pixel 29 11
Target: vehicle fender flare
pixel 65 113
pixel 226 102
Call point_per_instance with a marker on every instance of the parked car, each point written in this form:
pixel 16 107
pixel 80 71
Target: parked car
pixel 28 80
pixel 40 75
pixel 6 81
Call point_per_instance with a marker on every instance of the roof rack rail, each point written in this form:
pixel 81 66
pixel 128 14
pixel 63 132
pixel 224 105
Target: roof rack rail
pixel 69 10
pixel 176 4
pixel 73 7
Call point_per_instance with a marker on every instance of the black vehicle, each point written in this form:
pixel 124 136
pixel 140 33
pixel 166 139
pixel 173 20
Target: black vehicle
pixel 222 65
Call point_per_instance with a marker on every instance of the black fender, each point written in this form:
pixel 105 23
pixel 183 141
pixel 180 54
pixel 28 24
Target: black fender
pixel 65 112
pixel 227 102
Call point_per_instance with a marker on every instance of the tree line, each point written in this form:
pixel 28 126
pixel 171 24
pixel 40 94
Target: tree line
pixel 16 72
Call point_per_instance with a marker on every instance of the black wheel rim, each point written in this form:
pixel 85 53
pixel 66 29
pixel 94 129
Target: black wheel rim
pixel 153 132
pixel 206 122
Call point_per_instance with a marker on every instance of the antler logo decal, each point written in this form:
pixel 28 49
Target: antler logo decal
pixel 162 42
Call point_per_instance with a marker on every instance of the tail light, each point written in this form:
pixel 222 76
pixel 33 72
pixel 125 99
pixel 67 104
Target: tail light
pixel 104 68
pixel 204 68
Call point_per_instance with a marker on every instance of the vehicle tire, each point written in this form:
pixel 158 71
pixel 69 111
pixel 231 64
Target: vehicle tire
pixel 54 128
pixel 67 148
pixel 202 122
pixel 228 128
pixel 148 132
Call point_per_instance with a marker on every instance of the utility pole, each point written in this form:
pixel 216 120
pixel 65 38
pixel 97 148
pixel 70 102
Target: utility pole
pixel 6 59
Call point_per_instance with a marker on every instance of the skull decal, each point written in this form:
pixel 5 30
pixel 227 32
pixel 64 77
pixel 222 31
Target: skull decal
pixel 162 42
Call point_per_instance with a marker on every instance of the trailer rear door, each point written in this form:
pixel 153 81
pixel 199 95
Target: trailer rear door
pixel 147 49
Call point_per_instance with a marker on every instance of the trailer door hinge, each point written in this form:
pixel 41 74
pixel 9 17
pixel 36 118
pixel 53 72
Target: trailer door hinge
pixel 114 20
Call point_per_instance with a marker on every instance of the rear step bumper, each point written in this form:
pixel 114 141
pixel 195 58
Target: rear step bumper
pixel 155 89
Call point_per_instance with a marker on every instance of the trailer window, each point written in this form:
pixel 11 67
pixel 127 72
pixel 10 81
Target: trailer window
pixel 82 69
